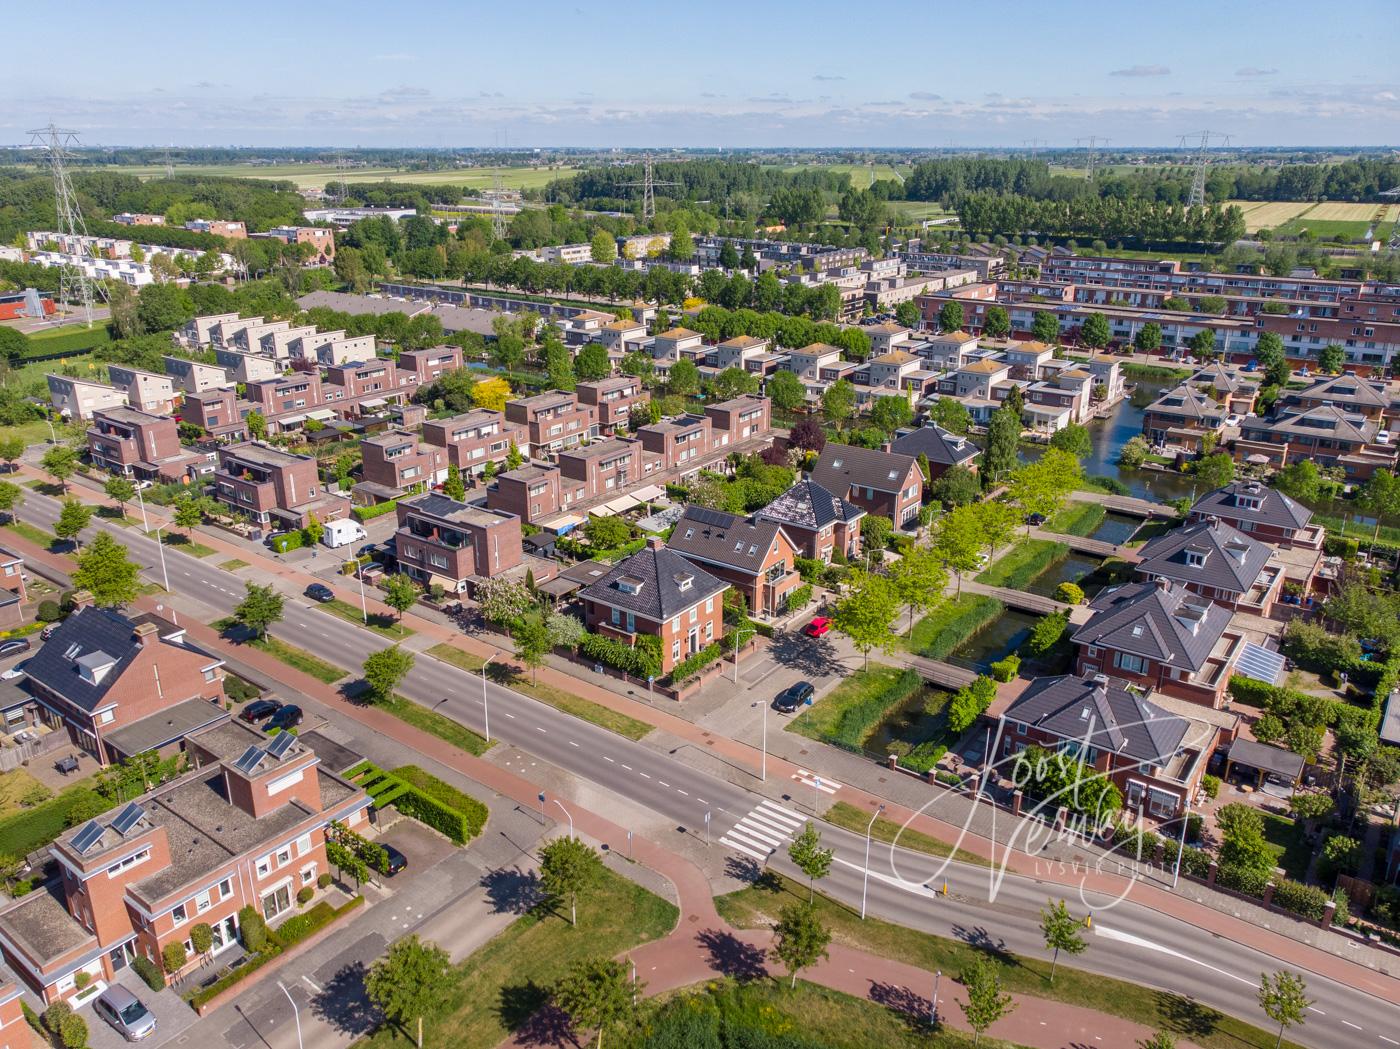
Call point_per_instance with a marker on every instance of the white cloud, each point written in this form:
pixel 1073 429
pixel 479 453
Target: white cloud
pixel 925 96
pixel 1140 71
pixel 828 76
pixel 1253 71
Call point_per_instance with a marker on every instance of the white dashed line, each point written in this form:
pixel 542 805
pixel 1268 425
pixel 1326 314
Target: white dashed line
pixel 679 791
pixel 572 743
pixel 609 760
pixel 627 767
pixel 1357 1027
pixel 312 984
pixel 509 715
pixel 540 728
pixel 644 775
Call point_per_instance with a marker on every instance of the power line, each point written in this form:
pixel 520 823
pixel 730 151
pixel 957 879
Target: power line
pixel 74 285
pixel 649 183
pixel 1198 165
pixel 1095 141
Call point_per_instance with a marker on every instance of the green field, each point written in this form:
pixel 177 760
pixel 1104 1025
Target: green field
pixel 862 175
pixel 1324 229
pixel 919 210
pixel 315 176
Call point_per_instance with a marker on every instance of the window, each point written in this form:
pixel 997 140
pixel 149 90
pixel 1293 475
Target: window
pixel 303 844
pixel 1130 663
pixel 709 605
pixel 264 866
pixel 225 888
pixel 128 862
pixel 284 856
pixel 202 902
pixel 178 915
pixel 308 874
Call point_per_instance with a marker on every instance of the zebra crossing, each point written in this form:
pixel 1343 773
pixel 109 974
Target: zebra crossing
pixel 810 779
pixel 766 828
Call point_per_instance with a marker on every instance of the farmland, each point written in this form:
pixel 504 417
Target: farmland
pixel 1268 214
pixel 1328 220
pixel 315 176
pixel 862 175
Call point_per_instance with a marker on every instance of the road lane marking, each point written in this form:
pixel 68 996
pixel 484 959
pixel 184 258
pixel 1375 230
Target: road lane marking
pixel 312 984
pixel 609 760
pixel 644 775
pixel 627 767
pixel 539 728
pixel 1350 1024
pixel 1138 941
pixel 747 850
pixel 679 791
pixel 572 743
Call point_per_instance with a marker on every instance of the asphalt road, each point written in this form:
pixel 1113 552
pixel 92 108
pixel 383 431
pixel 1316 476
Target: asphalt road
pixel 1128 941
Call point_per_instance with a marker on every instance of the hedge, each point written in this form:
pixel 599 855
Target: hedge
pixel 687 668
pixel 289 541
pixel 637 661
pixel 1004 670
pixel 1306 901
pixel 1280 700
pixel 433 813
pixel 366 513
pixel 26 831
pixel 474 811
pixel 800 598
pixel 1242 879
pixel 923 757
pixel 150 972
pixel 82 340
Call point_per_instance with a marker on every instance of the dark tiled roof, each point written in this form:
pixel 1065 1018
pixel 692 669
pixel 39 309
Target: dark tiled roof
pixel 724 539
pixel 657 577
pixel 1167 624
pixel 1345 389
pixel 810 506
pixel 1326 421
pixel 1113 718
pixel 937 443
pixel 1275 508
pixel 82 636
pixel 842 465
pixel 1187 403
pixel 1229 560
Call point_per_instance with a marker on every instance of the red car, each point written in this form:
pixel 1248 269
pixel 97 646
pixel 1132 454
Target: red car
pixel 817 627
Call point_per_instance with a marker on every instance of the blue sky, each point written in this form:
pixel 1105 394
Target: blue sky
pixel 717 74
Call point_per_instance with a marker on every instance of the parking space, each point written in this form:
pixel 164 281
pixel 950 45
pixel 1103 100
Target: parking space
pixel 172 1015
pixel 423 848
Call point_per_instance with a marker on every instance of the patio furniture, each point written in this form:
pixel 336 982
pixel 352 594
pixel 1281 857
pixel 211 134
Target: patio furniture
pixel 67 764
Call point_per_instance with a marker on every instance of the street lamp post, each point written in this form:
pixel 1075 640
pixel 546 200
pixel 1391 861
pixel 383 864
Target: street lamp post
pixel 160 549
pixel 933 1008
pixel 485 708
pixel 296 1013
pixel 566 813
pixel 865 885
pixel 763 761
pixel 145 524
pixel 707 828
pixel 364 606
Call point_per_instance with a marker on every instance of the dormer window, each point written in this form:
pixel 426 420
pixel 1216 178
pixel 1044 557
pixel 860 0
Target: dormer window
pixel 1248 502
pixel 1195 558
pixel 630 584
pixel 685 582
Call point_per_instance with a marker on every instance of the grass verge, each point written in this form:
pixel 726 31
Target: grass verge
pixel 844 814
pixel 186 545
pixel 849 713
pixel 1021 564
pixel 435 724
pixel 757 907
pixel 233 564
pixel 384 626
pixel 949 625
pixel 33 533
pixel 500 987
pixel 297 658
pixel 603 717
pixel 1077 519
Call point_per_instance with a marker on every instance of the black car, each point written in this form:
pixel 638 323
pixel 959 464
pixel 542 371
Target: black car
pixel 319 592
pixel 286 717
pixel 792 697
pixel 397 860
pixel 259 709
pixel 1036 520
pixel 12 647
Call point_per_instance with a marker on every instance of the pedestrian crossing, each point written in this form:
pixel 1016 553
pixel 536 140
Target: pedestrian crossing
pixel 821 783
pixel 766 827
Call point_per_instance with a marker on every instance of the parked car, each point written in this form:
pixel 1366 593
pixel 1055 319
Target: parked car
pixel 319 592
pixel 792 697
pixel 1232 420
pixel 259 709
pixel 1035 520
pixel 47 632
pixel 124 1011
pixel 288 716
pixel 1383 437
pixel 397 860
pixel 817 627
pixel 15 646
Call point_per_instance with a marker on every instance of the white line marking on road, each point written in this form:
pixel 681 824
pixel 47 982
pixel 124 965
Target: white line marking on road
pixel 627 767
pixel 644 775
pixel 539 728
pixel 663 783
pixel 1350 1024
pixel 1383 1038
pixel 312 984
pixel 1126 937
pixel 509 715
pixel 746 850
pixel 572 743
pixel 609 760
pixel 679 791
pixel 1317 1010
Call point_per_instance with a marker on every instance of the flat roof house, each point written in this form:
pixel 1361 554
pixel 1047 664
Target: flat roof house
pixel 396 460
pixel 440 540
pixel 884 483
pixel 534 492
pixel 475 438
pixel 138 444
pixel 613 400
pixel 145 391
pixel 552 421
pixel 272 487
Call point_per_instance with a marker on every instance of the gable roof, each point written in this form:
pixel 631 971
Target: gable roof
pixel 1346 389
pixel 656 575
pixel 1231 560
pixel 1111 717
pixel 725 539
pixel 1188 403
pixel 1329 421
pixel 1157 621
pixel 1275 508
pixel 938 444
pixel 842 465
pixel 809 506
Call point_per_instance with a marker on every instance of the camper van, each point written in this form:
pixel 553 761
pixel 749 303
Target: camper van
pixel 342 533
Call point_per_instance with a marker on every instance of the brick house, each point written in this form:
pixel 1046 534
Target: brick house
pixel 552 421
pixel 819 522
pixel 440 540
pixel 1213 561
pixel 682 443
pixel 613 400
pixel 534 493
pixel 739 419
pixel 100 672
pixel 244 827
pixel 606 468
pixel 880 482
pixel 320 240
pixel 658 592
pixel 1326 435
pixel 753 555
pixel 285 401
pixel 944 450
pixel 138 444
pixel 13 592
pixel 1180 416
pixel 1374 400
pixel 397 460
pixel 145 391
pixel 475 438
pixel 428 366
pixel 219 412
pixel 1262 513
pixel 1155 757
pixel 1162 637
pixel 272 487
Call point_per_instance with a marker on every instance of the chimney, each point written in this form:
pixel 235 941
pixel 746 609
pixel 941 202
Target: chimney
pixel 147 634
pixel 1164 584
pixel 81 599
pixel 655 542
pixel 886 447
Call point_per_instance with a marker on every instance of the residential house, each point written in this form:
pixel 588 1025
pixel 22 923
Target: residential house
pixel 613 401
pixel 552 421
pixel 740 352
pixel 622 336
pixel 879 481
pixel 885 337
pixel 138 444
pixel 752 554
pixel 285 402
pixel 272 487
pixel 1160 636
pixel 430 365
pixel 440 540
pixel 320 240
pixel 1326 435
pixel 683 443
pixel 398 462
pixel 1211 559
pixel 1262 513
pixel 889 371
pixel 808 363
pixel 80 398
pixel 198 331
pixel 1181 416
pixel 943 449
pixel 1237 390
pixel 145 391
pixel 659 593
pixel 678 343
pixel 474 439
pixel 1062 398
pixel 219 412
pixel 13 595
pixel 980 385
pixel 607 468
pixel 1373 400
pixel 195 376
pixel 247 367
pixel 821 523
pixel 534 493
pixel 740 419
pixel 949 351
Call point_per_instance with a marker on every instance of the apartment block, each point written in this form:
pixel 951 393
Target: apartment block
pixel 475 438
pixel 137 444
pixel 683 443
pixel 272 487
pixel 613 400
pixel 195 376
pixel 144 390
pixel 740 419
pixel 397 460
pixel 534 493
pixel 81 398
pixel 440 540
pixel 552 421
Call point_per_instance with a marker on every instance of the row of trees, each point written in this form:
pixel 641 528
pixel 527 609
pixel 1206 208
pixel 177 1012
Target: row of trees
pixel 1132 220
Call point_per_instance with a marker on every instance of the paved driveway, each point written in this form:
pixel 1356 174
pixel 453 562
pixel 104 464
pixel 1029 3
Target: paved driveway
pixel 173 1016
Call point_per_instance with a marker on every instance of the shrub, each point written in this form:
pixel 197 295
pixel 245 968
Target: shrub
pixel 1046 633
pixel 462 816
pixel 859 705
pixel 1345 547
pixel 202 938
pixel 1341 854
pixel 324 880
pixel 1307 901
pixel 969 702
pixel 634 660
pixel 82 979
pixel 174 957
pixel 252 930
pixel 26 831
pixel 923 756
pixel 289 541
pixel 150 972
pixel 1242 879
pixel 1005 669
pixel 73 1032
pixel 692 665
pixel 304 895
pixel 1211 785
pixel 800 597
pixel 809 568
pixel 948 779
pixel 55 1014
pixel 368 513
pixel 48 612
pixel 1111 485
pixel 1069 593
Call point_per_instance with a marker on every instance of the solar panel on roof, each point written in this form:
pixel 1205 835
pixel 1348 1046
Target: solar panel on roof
pixel 707 516
pixel 281 744
pixel 128 818
pixel 249 761
pixel 87 837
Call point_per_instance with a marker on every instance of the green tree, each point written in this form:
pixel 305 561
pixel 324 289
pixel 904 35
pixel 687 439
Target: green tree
pixel 733 382
pixel 875 532
pixel 1003 438
pixel 958 540
pixel 1041 487
pixel 188 513
pixel 1243 845
pixel 1380 497
pixel 106 572
pixel 202 939
pixel 1215 471
pixel 174 957
pixel 1300 480
pixel 839 401
pixel 867 614
pixel 950 316
pixel 684 378
pixel 72 519
pixel 1073 438
pixel 604 247
pixel 786 391
pixel 1284 999
pixel 1045 327
pixel 257 425
pixel 890 413
pixel 952 415
pixel 261 607
pixel 592 363
pixel 918 579
pixel 986 1004
pixel 810 858
pixel 1095 332
pixel 532 645
pixel 385 670
pixel 163 306
pixel 410 982
pixel 120 489
pixel 1062 932
pixel 607 533
pixel 997 323
pixel 1331 358
pixel 400 593
pixel 569 867
pixel 800 939
pixel 60 462
pixel 597 994
pixel 11 449
pixel 11 495
pixel 1134 453
pixel 454 487
pixel 958 486
pixel 1148 338
pixel 1159 1040
pixel 907 314
pixel 314 530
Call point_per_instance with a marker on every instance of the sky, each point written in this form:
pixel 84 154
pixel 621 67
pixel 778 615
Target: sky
pixel 724 74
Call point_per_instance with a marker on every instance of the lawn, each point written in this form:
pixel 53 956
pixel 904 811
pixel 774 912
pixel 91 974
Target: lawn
pixel 1077 519
pixel 952 623
pixel 16 786
pixel 297 658
pixel 587 710
pixel 848 714
pixel 844 814
pixel 1022 563
pixel 383 625
pixel 186 545
pixel 496 990
pixel 1285 838
pixel 1324 229
pixel 28 829
pixel 233 564
pixel 33 533
pixel 758 907
pixel 435 724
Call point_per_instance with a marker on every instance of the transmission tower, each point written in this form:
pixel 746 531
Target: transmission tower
pixel 498 215
pixel 169 164
pixel 342 191
pixel 1095 142
pixel 1201 141
pixel 74 285
pixel 649 183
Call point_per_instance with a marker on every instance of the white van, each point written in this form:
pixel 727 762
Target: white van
pixel 342 533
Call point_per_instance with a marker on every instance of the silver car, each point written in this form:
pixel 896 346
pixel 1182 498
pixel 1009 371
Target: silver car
pixel 124 1011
